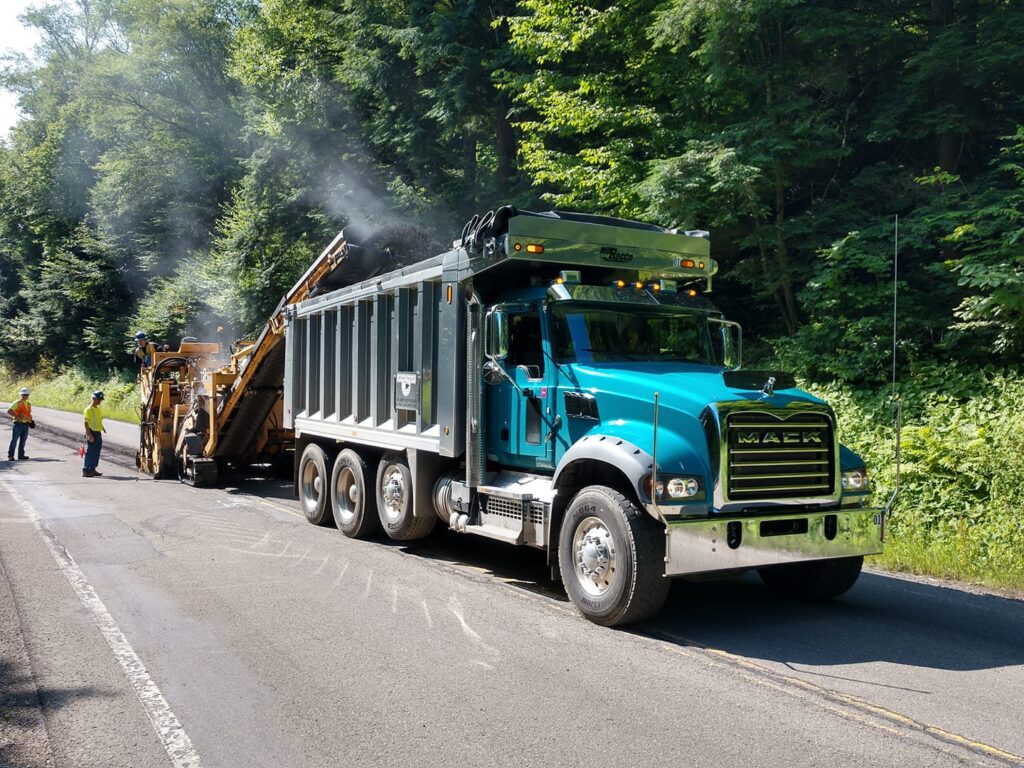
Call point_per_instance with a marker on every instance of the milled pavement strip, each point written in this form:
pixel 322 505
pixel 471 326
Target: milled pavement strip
pixel 894 722
pixel 166 724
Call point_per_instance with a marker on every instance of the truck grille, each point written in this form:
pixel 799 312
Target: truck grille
pixel 779 455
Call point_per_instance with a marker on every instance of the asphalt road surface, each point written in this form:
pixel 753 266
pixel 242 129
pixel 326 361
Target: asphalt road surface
pixel 147 623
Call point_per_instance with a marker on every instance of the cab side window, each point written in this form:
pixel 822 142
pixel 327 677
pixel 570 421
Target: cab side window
pixel 525 344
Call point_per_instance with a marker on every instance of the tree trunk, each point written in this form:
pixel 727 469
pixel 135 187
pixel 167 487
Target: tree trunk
pixel 782 254
pixel 469 166
pixel 506 144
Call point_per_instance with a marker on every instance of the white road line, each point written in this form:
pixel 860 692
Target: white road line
pixel 166 724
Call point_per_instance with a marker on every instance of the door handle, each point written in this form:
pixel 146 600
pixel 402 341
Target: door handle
pixel 554 428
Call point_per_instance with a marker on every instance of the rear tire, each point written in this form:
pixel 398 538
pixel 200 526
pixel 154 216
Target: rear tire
pixel 313 480
pixel 611 558
pixel 352 502
pixel 816 580
pixel 395 501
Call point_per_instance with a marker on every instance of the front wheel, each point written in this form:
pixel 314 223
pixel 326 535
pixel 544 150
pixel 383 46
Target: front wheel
pixel 815 580
pixel 611 556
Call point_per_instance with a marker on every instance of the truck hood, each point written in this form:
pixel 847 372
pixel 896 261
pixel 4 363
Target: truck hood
pixel 625 401
pixel 687 389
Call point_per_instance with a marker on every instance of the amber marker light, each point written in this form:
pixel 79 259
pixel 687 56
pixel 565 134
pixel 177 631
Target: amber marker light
pixel 639 286
pixel 620 283
pixel 691 292
pixel 518 246
pixel 701 265
pixel 655 286
pixel 534 248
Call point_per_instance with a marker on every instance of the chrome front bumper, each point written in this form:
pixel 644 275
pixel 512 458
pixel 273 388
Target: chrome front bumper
pixel 702 546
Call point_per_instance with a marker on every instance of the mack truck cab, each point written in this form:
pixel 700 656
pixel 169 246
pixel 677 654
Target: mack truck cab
pixel 562 381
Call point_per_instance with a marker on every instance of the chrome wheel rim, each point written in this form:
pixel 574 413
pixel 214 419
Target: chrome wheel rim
pixel 346 496
pixel 594 558
pixel 312 486
pixel 392 491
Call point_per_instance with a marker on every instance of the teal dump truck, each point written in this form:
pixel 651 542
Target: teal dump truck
pixel 561 381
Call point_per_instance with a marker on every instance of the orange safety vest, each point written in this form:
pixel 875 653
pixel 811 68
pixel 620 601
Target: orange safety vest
pixel 22 412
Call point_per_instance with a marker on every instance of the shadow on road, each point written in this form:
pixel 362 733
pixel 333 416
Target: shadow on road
pixel 883 618
pixel 20 701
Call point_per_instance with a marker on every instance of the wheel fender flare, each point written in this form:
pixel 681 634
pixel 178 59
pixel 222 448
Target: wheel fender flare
pixel 632 461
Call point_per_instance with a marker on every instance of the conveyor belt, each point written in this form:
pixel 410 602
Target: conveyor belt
pixel 238 433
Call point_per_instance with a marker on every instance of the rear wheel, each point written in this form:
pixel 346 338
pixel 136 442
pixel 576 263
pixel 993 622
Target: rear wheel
pixel 816 580
pixel 611 558
pixel 354 507
pixel 395 501
pixel 313 480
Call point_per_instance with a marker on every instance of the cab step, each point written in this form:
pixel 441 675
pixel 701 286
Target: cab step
pixel 496 533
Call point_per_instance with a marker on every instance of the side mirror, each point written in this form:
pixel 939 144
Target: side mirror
pixel 727 342
pixel 497 335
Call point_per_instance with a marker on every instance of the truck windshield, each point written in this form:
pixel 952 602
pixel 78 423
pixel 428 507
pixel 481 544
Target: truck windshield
pixel 586 332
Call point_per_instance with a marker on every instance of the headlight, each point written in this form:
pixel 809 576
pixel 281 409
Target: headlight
pixel 683 487
pixel 855 481
pixel 676 488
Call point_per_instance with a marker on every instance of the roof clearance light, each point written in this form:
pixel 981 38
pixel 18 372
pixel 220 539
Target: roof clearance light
pixel 619 283
pixel 691 292
pixel 559 280
pixel 534 248
pixel 687 263
pixel 638 285
pixel 570 276
pixel 656 286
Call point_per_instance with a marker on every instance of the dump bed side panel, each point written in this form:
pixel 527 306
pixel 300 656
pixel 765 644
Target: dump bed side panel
pixel 377 364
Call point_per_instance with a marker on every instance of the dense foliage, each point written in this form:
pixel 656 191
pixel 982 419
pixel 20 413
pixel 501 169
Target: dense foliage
pixel 181 161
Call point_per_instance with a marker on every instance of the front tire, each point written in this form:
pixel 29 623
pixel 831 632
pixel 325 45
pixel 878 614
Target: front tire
pixel 395 501
pixel 611 558
pixel 816 580
pixel 352 502
pixel 313 480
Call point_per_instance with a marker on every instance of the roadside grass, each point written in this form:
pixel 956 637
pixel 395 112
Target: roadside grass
pixel 960 512
pixel 71 390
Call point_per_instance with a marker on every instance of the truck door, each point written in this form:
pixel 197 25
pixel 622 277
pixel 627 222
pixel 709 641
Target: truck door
pixel 520 415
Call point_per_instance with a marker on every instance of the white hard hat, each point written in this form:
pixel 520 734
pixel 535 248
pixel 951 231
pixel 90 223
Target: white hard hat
pixel 24 390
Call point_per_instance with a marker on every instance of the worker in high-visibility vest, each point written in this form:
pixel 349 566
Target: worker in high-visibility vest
pixel 94 436
pixel 21 413
pixel 144 350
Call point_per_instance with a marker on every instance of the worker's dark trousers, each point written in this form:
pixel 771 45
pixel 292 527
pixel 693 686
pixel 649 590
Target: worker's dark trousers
pixel 92 452
pixel 18 436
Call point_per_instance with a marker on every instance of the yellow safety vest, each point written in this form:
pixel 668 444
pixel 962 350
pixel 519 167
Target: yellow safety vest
pixel 22 412
pixel 94 418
